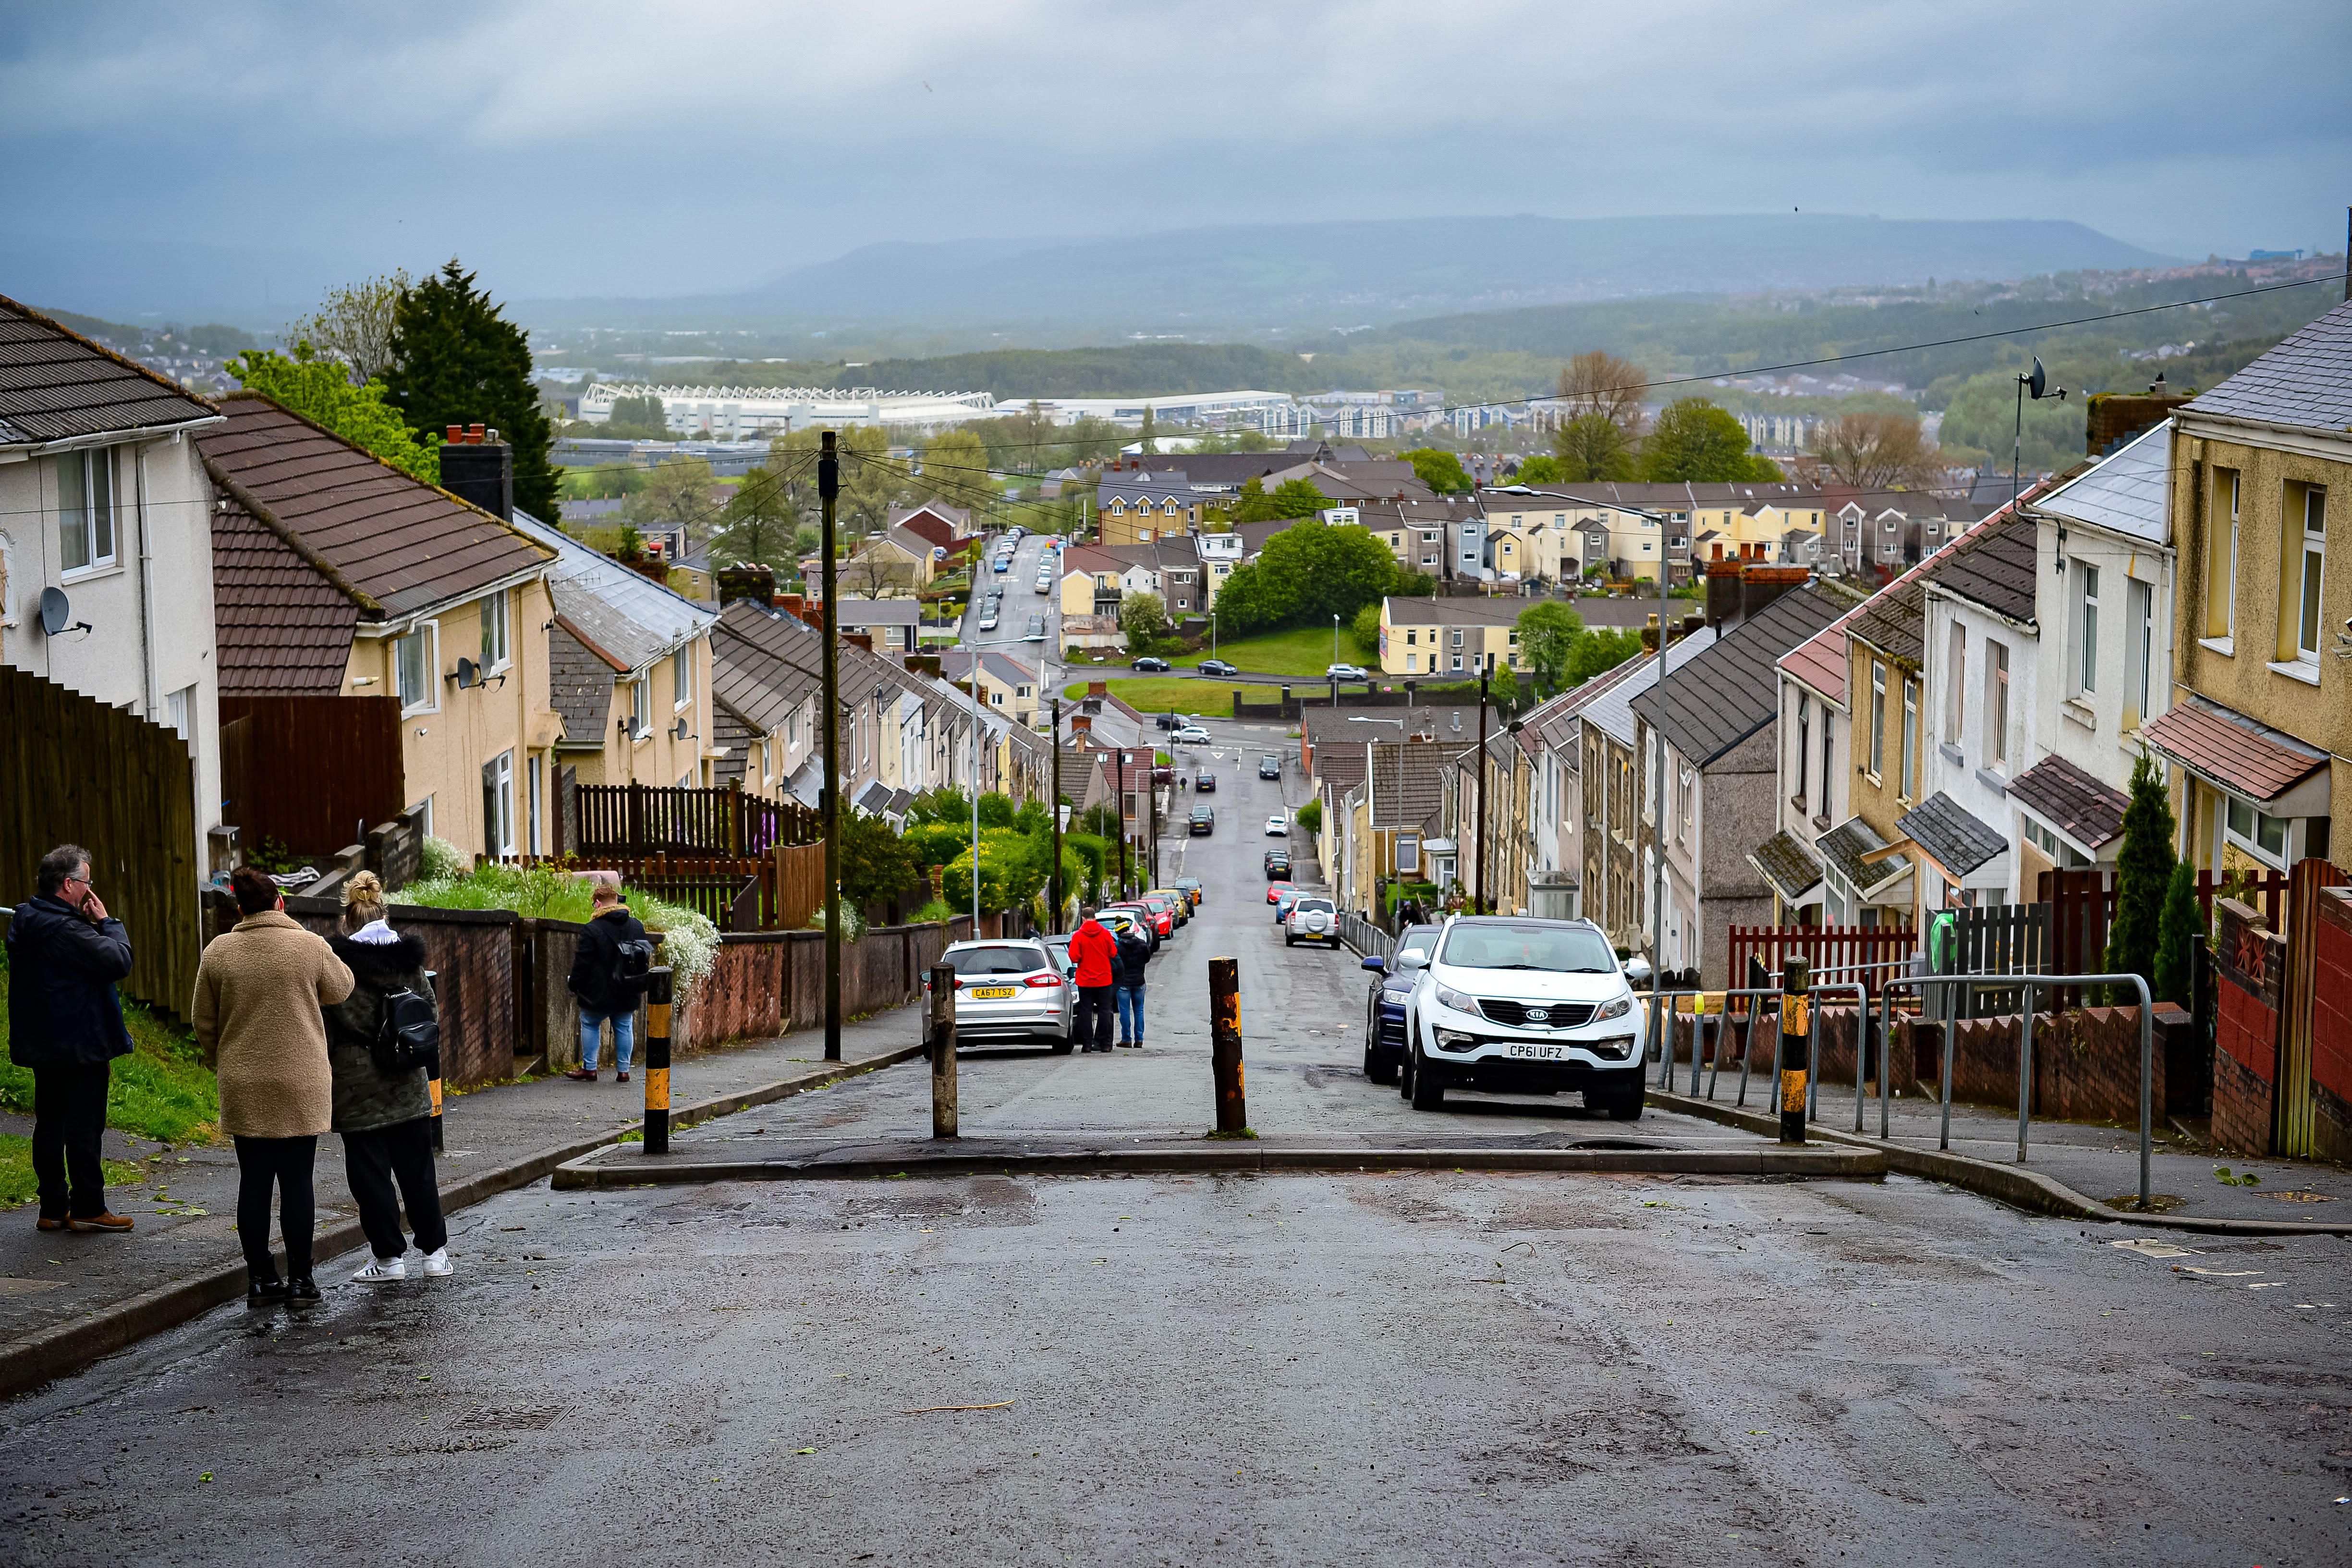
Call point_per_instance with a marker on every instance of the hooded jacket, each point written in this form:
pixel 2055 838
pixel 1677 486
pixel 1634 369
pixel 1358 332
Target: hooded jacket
pixel 1134 953
pixel 366 1097
pixel 1096 953
pixel 62 1009
pixel 593 978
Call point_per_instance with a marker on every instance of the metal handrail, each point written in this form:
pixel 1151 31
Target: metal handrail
pixel 1747 1057
pixel 2029 984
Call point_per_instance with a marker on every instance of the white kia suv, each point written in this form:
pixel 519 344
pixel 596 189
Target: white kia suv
pixel 1513 1005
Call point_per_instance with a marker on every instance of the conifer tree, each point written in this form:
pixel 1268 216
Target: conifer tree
pixel 2182 922
pixel 456 361
pixel 2143 877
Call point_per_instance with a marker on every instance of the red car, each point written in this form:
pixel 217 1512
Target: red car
pixel 1274 889
pixel 1163 913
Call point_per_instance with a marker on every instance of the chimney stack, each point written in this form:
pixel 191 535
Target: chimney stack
pixel 477 467
pixel 1761 585
pixel 1723 591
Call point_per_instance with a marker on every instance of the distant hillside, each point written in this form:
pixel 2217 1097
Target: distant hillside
pixel 1346 274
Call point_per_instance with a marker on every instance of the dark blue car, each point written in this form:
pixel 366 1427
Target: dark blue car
pixel 1384 1007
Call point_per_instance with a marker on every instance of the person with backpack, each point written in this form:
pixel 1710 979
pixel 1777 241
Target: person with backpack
pixel 1134 953
pixel 382 1041
pixel 259 1012
pixel 608 971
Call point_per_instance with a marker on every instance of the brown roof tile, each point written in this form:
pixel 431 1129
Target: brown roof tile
pixel 55 384
pixel 397 545
pixel 2242 754
pixel 282 629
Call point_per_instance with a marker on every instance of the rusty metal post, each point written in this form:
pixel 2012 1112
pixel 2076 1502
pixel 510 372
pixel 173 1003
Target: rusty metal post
pixel 1226 1047
pixel 1796 1038
pixel 940 1040
pixel 657 1000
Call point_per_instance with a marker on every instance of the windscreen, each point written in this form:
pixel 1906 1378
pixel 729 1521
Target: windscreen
pixel 1008 959
pixel 1560 949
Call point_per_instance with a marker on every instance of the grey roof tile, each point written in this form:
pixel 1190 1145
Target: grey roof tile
pixel 1784 862
pixel 2305 381
pixel 1948 834
pixel 2078 805
pixel 2128 492
pixel 1842 847
pixel 1711 702
pixel 1994 568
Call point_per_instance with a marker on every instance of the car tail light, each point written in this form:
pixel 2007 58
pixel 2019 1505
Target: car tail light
pixel 1043 982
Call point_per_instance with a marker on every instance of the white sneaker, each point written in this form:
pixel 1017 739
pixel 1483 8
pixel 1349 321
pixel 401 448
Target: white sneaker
pixel 379 1270
pixel 436 1263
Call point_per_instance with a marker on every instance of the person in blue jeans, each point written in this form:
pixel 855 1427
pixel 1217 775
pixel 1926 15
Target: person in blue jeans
pixel 1134 953
pixel 604 996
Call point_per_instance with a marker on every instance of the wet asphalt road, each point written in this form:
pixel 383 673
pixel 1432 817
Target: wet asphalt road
pixel 1341 1370
pixel 1375 1369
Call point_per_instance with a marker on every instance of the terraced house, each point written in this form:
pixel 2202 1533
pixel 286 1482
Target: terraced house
pixel 2261 726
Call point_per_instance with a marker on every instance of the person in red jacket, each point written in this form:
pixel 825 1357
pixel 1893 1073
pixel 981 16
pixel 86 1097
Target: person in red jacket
pixel 1095 951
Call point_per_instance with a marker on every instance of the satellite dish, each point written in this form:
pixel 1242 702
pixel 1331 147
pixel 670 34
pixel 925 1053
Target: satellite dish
pixel 470 674
pixel 56 611
pixel 2039 381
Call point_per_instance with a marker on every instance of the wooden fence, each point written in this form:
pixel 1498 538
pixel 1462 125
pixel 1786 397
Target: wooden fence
pixel 637 820
pixel 2083 905
pixel 75 770
pixel 313 773
pixel 1824 946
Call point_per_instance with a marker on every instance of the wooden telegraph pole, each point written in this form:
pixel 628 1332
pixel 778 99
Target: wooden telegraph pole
pixel 828 489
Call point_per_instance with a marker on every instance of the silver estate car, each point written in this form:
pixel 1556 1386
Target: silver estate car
pixel 1010 993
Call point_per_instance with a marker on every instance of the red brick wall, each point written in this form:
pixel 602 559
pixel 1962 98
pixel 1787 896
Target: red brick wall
pixel 2331 1027
pixel 2249 968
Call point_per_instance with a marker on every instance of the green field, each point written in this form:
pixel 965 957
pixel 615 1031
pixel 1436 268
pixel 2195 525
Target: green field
pixel 1161 694
pixel 1301 651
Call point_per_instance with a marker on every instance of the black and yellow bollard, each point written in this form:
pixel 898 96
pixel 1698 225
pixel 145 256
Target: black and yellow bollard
pixel 1225 1046
pixel 1796 1032
pixel 657 998
pixel 940 1040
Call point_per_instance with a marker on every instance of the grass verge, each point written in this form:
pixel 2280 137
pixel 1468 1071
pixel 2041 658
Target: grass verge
pixel 1159 693
pixel 161 1090
pixel 1301 651
pixel 18 1185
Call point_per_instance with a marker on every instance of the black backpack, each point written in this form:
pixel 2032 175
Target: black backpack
pixel 633 960
pixel 408 1035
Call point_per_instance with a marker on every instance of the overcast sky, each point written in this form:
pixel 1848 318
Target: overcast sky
pixel 240 155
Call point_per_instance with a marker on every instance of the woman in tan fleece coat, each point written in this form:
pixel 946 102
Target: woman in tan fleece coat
pixel 259 991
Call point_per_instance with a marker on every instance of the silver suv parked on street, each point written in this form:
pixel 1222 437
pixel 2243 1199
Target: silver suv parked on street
pixel 1514 1005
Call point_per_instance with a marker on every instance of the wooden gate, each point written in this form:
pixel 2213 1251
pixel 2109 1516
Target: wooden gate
pixel 640 820
pixel 313 773
pixel 2293 1133
pixel 75 771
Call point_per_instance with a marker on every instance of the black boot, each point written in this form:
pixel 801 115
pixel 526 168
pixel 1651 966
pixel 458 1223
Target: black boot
pixel 301 1291
pixel 261 1292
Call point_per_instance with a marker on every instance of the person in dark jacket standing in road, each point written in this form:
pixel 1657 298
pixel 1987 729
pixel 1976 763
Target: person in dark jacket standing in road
pixel 65 953
pixel 385 1117
pixel 1134 953
pixel 596 980
pixel 1094 952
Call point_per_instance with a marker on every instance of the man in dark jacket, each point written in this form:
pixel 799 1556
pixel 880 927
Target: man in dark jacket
pixel 1134 953
pixel 596 980
pixel 1094 953
pixel 65 953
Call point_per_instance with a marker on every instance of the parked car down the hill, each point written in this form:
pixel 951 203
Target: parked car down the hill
pixel 1192 734
pixel 1151 665
pixel 1205 821
pixel 1008 992
pixel 1312 920
pixel 1205 782
pixel 1277 827
pixel 1218 668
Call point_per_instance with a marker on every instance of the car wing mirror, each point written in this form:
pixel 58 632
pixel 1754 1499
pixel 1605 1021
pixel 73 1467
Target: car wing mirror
pixel 1638 973
pixel 1377 966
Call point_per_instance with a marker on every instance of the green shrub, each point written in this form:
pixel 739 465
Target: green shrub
pixel 1311 816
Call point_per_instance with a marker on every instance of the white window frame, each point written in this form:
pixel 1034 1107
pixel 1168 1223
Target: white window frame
pixel 641 703
pixel 1956 684
pixel 498 798
pixel 426 640
pixel 2083 663
pixel 1877 720
pixel 1996 747
pixel 498 642
pixel 681 679
pixel 1804 749
pixel 2310 622
pixel 2139 648
pixel 1908 787
pixel 90 465
pixel 2249 838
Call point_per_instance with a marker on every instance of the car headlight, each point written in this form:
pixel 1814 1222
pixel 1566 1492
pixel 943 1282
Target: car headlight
pixel 1617 1008
pixel 1449 997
